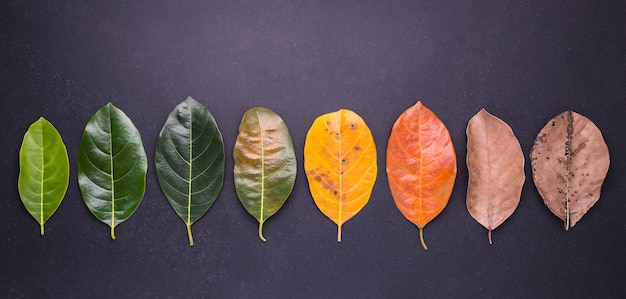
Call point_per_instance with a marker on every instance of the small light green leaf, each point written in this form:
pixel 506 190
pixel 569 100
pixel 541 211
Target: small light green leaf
pixel 112 166
pixel 44 171
pixel 265 164
pixel 189 160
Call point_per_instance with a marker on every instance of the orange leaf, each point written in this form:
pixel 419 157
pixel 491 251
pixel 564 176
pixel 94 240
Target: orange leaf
pixel 340 165
pixel 421 165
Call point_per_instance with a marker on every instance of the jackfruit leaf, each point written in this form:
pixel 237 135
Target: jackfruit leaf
pixel 44 171
pixel 112 166
pixel 569 161
pixel 265 164
pixel 340 165
pixel 421 166
pixel 495 163
pixel 189 160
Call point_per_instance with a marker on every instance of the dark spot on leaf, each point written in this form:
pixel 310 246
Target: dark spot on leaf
pixel 335 192
pixel 357 148
pixel 553 123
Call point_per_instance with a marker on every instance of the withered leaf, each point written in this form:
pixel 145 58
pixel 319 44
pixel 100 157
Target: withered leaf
pixel 495 163
pixel 569 162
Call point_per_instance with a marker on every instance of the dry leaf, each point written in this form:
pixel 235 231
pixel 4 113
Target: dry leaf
pixel 569 161
pixel 496 170
pixel 421 165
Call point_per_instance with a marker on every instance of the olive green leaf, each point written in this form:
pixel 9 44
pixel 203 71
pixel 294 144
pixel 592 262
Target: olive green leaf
pixel 44 171
pixel 265 164
pixel 112 166
pixel 189 161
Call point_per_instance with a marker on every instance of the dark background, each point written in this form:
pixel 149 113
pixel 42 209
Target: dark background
pixel 524 62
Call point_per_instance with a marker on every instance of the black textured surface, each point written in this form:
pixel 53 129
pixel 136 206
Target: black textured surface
pixel 524 62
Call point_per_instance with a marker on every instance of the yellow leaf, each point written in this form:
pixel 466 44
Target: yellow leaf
pixel 340 164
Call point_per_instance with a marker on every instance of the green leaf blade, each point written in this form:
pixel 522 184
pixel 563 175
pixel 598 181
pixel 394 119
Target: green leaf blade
pixel 265 164
pixel 189 161
pixel 112 166
pixel 44 171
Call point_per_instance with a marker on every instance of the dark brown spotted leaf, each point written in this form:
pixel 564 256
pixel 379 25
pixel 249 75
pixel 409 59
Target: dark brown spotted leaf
pixel 569 161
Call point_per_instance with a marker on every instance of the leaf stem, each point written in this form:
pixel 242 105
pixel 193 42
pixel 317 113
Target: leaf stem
pixel 422 238
pixel 113 232
pixel 189 235
pixel 261 232
pixel 489 237
pixel 339 233
pixel 41 227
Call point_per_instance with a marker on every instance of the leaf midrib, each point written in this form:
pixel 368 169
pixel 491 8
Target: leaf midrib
pixel 190 168
pixel 258 117
pixel 41 182
pixel 112 176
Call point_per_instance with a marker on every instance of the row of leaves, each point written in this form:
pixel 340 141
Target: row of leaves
pixel 569 163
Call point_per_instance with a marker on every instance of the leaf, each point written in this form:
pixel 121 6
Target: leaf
pixel 421 165
pixel 340 164
pixel 265 164
pixel 496 170
pixel 112 166
pixel 189 160
pixel 44 171
pixel 569 162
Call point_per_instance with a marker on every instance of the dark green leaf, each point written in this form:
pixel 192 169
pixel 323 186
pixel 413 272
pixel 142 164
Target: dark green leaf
pixel 265 164
pixel 44 171
pixel 189 161
pixel 112 166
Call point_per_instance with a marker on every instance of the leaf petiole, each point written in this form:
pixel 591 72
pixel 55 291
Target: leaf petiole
pixel 189 235
pixel 261 232
pixel 422 238
pixel 339 233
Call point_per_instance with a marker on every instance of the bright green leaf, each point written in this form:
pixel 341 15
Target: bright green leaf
pixel 265 164
pixel 189 161
pixel 112 166
pixel 44 171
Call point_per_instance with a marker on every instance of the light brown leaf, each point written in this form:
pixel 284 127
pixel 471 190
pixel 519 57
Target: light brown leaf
pixel 569 161
pixel 496 170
